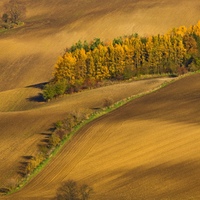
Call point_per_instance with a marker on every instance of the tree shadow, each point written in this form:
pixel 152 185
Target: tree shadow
pixel 23 165
pixel 39 85
pixel 4 190
pixel 96 108
pixel 46 140
pixel 43 146
pixel 165 181
pixel 46 134
pixel 27 157
pixel 38 98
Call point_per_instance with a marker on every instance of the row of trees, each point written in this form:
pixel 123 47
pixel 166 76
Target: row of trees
pixel 85 64
pixel 61 131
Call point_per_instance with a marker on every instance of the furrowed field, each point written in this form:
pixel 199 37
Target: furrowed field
pixel 147 149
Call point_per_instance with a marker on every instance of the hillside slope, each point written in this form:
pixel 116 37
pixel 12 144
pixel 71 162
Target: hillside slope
pixel 147 149
pixel 24 122
pixel 28 53
pixel 27 56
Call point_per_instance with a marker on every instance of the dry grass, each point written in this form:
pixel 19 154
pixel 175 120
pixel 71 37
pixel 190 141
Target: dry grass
pixel 145 164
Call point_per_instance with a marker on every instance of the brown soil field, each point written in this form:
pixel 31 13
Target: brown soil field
pixel 147 149
pixel 145 152
pixel 24 122
pixel 28 53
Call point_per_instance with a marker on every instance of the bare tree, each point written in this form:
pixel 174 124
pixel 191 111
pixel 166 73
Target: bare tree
pixel 107 102
pixel 5 18
pixel 85 192
pixel 14 12
pixel 70 190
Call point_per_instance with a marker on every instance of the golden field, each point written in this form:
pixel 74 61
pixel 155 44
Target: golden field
pixel 147 149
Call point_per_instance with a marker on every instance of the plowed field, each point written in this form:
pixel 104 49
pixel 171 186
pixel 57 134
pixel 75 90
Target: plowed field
pixel 28 53
pixel 147 149
pixel 140 151
pixel 25 122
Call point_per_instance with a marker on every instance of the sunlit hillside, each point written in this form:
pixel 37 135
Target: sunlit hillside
pixel 29 53
pixel 148 149
pixel 145 150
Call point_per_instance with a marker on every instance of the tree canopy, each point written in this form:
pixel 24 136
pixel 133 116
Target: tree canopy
pixel 85 64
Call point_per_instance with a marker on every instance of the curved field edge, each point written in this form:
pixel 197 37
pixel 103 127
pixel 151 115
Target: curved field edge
pixel 92 117
pixel 30 97
pixel 22 131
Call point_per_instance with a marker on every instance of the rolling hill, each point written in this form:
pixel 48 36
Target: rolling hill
pixel 155 138
pixel 24 123
pixel 147 149
pixel 28 53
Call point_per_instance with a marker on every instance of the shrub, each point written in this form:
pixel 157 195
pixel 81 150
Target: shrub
pixel 34 162
pixel 59 125
pixel 49 91
pixel 107 102
pixel 54 140
pixel 81 114
pixel 60 133
pixel 44 149
pixel 52 89
pixel 70 121
pixel 60 87
pixel 85 192
pixel 181 70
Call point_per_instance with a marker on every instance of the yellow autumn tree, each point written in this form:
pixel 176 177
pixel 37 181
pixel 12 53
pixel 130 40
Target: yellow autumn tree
pixel 65 68
pixel 80 67
pixel 129 56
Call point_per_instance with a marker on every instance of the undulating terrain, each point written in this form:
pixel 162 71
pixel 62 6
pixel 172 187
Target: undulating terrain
pixel 148 149
pixel 29 53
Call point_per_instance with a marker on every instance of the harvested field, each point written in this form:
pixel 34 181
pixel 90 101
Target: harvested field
pixel 147 149
pixel 22 130
pixel 28 53
pixel 144 147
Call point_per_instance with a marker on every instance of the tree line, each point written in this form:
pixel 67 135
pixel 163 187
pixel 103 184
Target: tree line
pixel 84 64
pixel 60 132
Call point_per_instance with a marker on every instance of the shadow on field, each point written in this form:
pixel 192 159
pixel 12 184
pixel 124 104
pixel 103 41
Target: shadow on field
pixel 164 181
pixel 46 134
pixel 4 190
pixel 178 102
pixel 96 108
pixel 39 97
pixel 22 170
pixel 39 85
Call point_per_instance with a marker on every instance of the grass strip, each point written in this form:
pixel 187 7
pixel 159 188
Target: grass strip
pixel 92 117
